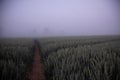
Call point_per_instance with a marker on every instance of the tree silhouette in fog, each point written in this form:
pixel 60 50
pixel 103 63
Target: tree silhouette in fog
pixel 47 31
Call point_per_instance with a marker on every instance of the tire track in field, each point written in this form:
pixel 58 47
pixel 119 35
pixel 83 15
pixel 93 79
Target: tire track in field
pixel 37 69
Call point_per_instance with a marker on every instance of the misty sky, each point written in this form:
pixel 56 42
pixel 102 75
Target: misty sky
pixel 59 17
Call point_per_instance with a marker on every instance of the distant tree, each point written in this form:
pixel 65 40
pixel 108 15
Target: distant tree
pixel 47 31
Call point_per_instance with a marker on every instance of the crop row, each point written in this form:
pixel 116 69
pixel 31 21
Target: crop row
pixel 52 45
pixel 96 60
pixel 15 58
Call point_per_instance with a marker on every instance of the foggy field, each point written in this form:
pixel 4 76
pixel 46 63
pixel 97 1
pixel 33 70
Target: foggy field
pixel 63 58
pixel 59 39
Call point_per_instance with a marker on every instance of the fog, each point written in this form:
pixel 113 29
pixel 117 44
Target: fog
pixel 40 18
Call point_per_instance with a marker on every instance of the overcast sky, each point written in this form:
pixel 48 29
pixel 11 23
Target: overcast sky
pixel 27 18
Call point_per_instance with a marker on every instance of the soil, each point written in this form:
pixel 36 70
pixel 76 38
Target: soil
pixel 37 70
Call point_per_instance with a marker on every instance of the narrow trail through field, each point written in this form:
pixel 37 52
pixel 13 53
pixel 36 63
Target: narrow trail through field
pixel 37 69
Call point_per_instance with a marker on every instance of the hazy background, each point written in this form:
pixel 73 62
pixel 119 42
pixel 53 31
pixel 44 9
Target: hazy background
pixel 38 18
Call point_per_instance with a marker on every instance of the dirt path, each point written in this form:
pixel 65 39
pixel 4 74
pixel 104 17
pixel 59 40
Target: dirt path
pixel 37 71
